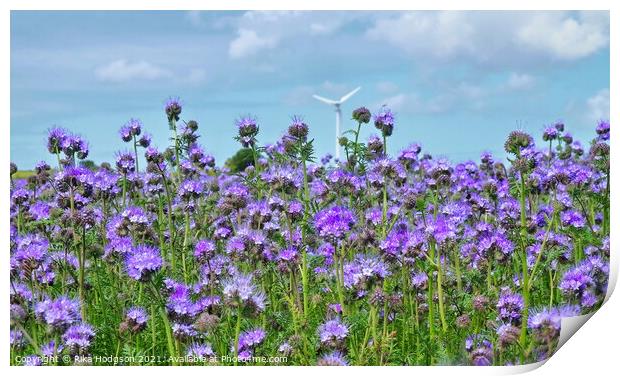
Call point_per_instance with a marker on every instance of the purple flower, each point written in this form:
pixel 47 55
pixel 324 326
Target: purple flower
pixel 143 262
pixel 240 290
pixel 136 319
pixel 333 333
pixel 602 129
pixel 248 129
pixel 288 256
pixel 182 331
pixel 173 108
pixel 419 280
pixel 55 138
pixel 58 313
pixel 125 163
pixel 51 348
pixel 507 334
pixel 364 270
pixel 204 250
pixel 384 121
pixel 480 350
pixel 130 129
pixel 361 115
pixel 40 210
pixel 298 129
pixel 509 306
pixel 190 189
pixel 200 351
pixel 575 281
pixel 333 223
pixel 285 348
pixel 251 338
pixel 145 140
pixel 78 338
pixel 573 218
pixel 135 216
pixel 550 133
pixel 31 252
pixel 16 339
pixel 332 359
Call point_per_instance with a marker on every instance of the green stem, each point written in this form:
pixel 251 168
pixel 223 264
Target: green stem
pixel 82 262
pixel 525 283
pixel 185 245
pixel 164 317
pixel 237 331
pixel 442 313
pixel 173 125
pixel 135 151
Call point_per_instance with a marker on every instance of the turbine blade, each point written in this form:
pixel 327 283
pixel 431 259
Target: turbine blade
pixel 325 100
pixel 344 98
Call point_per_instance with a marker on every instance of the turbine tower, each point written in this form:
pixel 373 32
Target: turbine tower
pixel 336 105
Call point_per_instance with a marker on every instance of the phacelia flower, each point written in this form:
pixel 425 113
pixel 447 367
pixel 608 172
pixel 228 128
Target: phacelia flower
pixel 143 262
pixel 384 121
pixel 78 338
pixel 200 351
pixel 248 129
pixel 333 223
pixel 204 250
pixel 58 313
pixel 510 306
pixel 332 359
pixel 173 108
pixel 135 320
pixel 361 115
pixel 333 333
pixel 240 290
pixel 298 129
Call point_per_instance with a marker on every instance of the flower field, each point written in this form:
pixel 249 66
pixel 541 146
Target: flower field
pixel 386 258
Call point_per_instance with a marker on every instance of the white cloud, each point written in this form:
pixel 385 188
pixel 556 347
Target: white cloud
pixel 123 71
pixel 490 37
pixel 520 81
pixel 598 105
pixel 261 30
pixel 248 43
pixel 565 37
pixel 440 34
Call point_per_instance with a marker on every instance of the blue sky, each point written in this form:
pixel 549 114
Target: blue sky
pixel 458 81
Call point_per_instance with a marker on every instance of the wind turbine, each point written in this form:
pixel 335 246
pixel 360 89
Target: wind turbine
pixel 336 105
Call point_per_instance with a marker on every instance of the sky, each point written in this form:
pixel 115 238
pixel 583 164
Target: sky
pixel 458 82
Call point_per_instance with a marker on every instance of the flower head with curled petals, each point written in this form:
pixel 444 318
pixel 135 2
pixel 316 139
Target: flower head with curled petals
pixel 248 129
pixel 201 351
pixel 173 108
pixel 332 224
pixel 333 332
pixel 143 262
pixel 58 313
pixel 510 306
pixel 240 290
pixel 332 359
pixel 78 338
pixel 384 121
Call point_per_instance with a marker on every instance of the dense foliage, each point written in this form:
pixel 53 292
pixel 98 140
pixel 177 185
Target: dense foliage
pixel 380 259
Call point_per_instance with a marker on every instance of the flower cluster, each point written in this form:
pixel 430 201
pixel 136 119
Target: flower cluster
pixel 384 258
